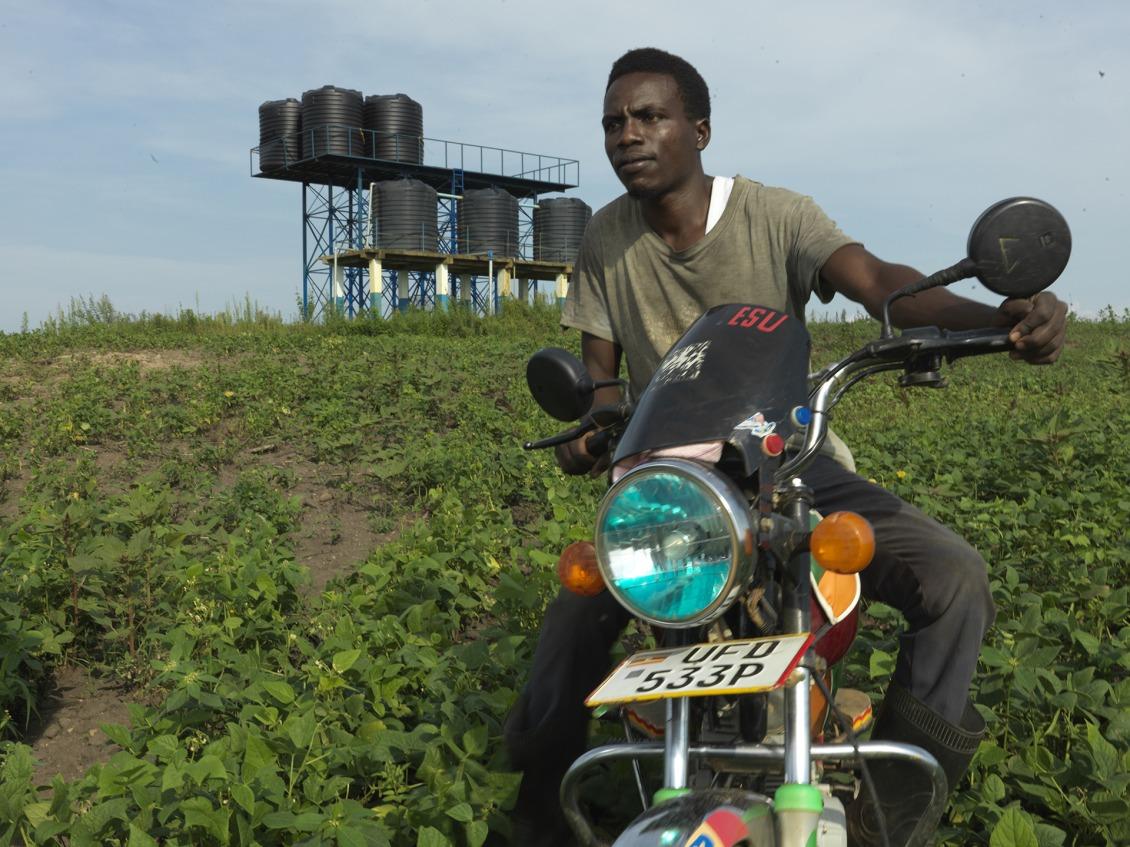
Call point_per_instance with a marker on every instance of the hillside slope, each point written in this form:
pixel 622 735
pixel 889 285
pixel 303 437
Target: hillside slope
pixel 302 568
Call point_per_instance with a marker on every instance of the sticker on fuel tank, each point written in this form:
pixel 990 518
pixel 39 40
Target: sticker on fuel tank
pixel 722 828
pixel 757 425
pixel 682 365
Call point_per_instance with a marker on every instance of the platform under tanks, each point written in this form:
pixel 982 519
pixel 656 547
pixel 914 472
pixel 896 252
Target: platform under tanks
pixel 478 166
pixel 472 264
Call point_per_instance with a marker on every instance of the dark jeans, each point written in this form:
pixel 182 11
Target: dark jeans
pixel 921 568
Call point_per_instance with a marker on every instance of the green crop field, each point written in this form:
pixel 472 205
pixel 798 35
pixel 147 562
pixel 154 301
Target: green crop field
pixel 274 584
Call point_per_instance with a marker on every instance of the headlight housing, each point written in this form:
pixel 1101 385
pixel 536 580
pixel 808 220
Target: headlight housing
pixel 674 541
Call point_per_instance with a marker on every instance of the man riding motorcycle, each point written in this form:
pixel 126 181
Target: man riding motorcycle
pixel 677 243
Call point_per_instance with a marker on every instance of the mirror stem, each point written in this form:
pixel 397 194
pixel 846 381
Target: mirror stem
pixel 962 270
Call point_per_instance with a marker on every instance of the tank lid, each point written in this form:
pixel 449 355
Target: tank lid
pixel 329 88
pixel 372 97
pixel 563 201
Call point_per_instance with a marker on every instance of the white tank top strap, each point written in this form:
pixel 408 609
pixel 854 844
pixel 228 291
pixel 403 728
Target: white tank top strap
pixel 719 196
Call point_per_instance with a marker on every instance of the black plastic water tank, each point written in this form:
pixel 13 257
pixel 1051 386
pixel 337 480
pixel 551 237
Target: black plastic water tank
pixel 331 122
pixel 280 144
pixel 488 221
pixel 404 215
pixel 397 122
pixel 559 223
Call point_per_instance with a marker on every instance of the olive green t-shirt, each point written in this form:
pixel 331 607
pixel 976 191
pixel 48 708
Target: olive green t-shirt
pixel 630 287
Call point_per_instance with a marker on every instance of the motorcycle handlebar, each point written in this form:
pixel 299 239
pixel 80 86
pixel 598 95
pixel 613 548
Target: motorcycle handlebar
pixel 884 354
pixel 605 419
pixel 976 342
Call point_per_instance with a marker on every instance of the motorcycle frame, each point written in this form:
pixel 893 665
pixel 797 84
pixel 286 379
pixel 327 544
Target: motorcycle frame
pixel 754 754
pixel 914 351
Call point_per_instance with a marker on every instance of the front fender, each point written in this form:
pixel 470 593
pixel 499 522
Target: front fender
pixel 715 817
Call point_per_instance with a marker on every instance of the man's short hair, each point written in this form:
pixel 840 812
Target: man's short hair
pixel 651 60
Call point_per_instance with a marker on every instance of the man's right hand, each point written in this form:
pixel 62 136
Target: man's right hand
pixel 602 359
pixel 575 459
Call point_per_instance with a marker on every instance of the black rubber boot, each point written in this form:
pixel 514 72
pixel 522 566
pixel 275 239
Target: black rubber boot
pixel 904 788
pixel 537 819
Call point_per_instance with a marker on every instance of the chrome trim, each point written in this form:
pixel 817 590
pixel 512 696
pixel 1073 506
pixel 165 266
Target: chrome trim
pixel 868 750
pixel 736 509
pixel 820 402
pixel 798 761
pixel 677 739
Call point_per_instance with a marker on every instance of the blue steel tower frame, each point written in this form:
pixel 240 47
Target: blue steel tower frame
pixel 333 218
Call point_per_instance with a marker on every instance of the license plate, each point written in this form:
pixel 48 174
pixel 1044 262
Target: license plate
pixel 725 667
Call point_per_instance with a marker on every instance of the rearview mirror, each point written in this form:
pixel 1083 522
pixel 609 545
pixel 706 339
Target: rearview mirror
pixel 1020 246
pixel 1017 248
pixel 559 383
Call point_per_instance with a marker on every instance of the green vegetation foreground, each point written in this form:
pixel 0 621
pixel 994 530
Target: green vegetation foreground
pixel 161 481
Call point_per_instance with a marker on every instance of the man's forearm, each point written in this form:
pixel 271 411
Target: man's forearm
pixel 938 307
pixel 935 307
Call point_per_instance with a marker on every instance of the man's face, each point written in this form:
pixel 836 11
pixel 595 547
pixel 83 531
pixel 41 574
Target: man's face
pixel 652 144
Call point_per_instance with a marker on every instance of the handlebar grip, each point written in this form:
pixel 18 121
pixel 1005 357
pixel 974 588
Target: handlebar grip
pixel 976 342
pixel 987 334
pixel 598 443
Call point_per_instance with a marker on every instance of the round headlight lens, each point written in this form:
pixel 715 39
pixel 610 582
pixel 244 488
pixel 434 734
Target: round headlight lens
pixel 667 542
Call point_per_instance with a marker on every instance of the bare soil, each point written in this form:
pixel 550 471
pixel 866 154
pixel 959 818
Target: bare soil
pixel 11 490
pixel 67 738
pixel 147 360
pixel 334 534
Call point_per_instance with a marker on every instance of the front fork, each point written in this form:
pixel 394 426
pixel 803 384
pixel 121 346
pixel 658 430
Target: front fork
pixel 677 733
pixel 796 503
pixel 677 742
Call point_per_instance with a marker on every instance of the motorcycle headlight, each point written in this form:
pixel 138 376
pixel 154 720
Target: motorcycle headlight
pixel 674 541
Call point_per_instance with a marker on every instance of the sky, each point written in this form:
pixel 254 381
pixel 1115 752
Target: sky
pixel 125 126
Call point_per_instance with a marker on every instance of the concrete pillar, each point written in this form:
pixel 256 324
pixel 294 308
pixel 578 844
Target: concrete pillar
pixel 376 286
pixel 562 288
pixel 504 283
pixel 402 289
pixel 524 290
pixel 465 283
pixel 443 287
pixel 339 288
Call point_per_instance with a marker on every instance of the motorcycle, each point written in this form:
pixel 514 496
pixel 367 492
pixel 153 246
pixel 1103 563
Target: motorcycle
pixel 707 533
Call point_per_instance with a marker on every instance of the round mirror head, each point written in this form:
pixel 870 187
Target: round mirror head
pixel 1020 246
pixel 560 383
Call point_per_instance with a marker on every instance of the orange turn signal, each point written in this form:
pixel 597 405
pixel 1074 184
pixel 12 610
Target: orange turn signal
pixel 577 569
pixel 843 543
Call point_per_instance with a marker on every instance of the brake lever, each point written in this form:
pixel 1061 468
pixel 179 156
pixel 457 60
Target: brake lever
pixel 602 417
pixel 587 425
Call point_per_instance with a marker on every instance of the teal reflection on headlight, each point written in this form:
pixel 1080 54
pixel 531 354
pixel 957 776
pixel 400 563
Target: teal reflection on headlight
pixel 666 546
